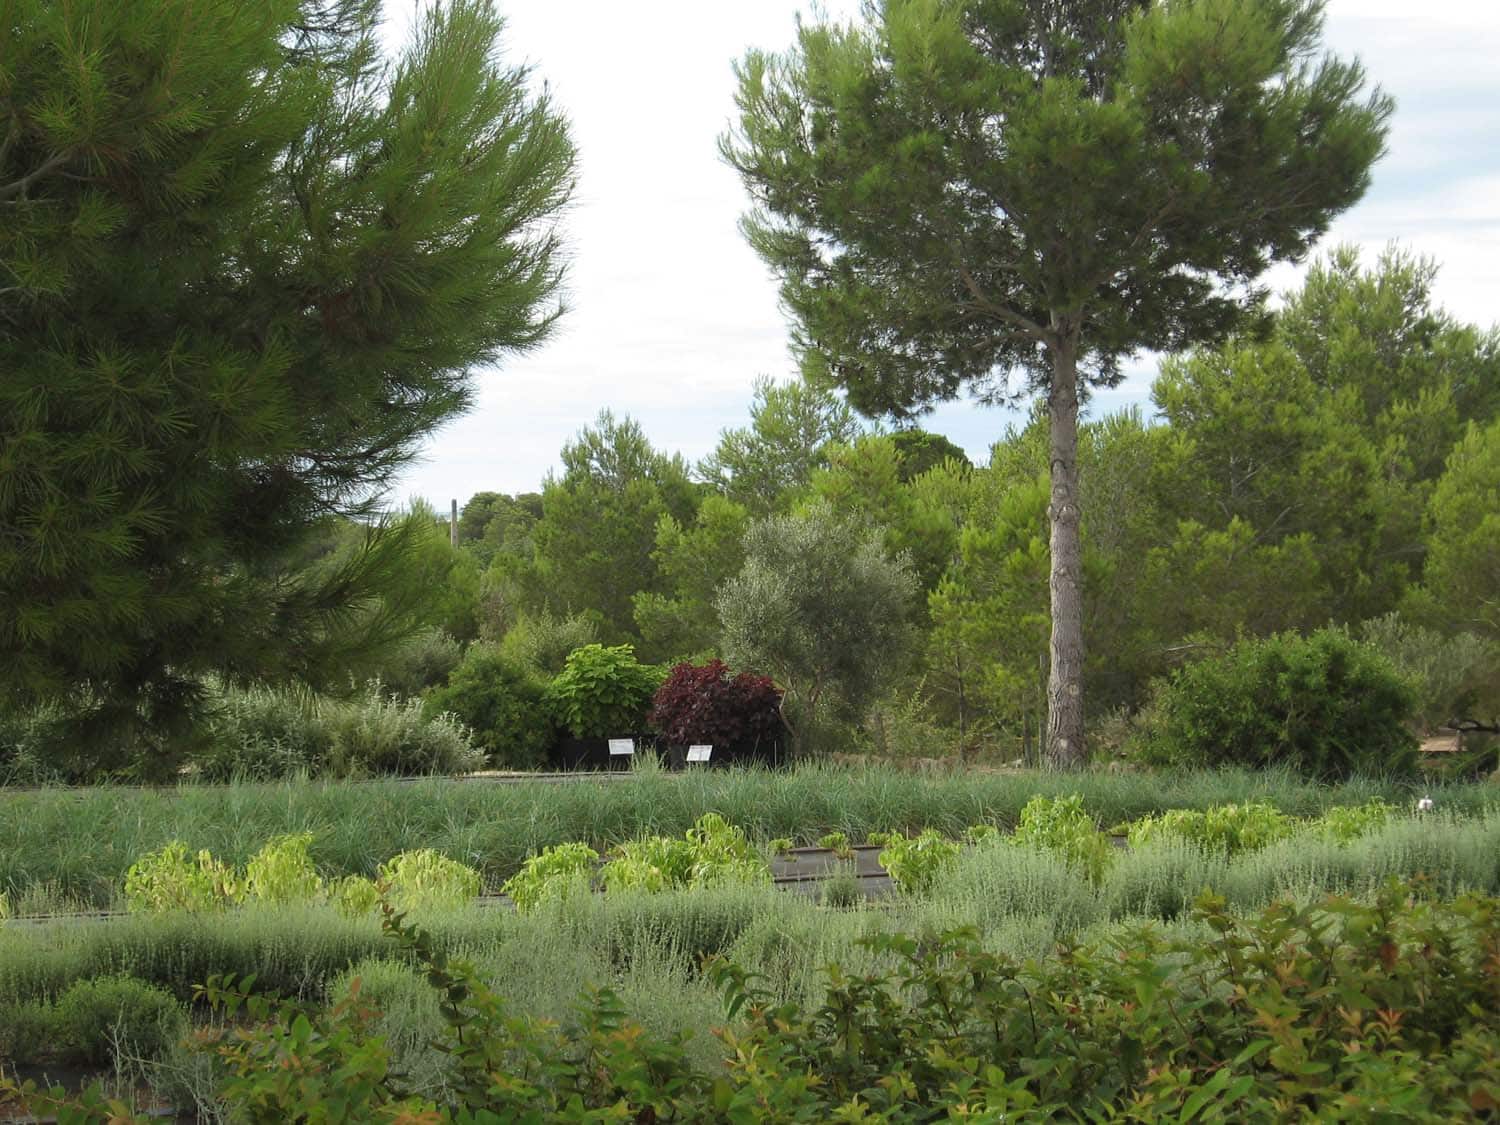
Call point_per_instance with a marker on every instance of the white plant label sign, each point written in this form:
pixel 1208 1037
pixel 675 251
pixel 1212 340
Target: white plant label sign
pixel 699 753
pixel 621 746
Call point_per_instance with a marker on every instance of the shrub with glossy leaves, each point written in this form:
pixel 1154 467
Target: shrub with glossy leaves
pixel 602 692
pixel 708 704
pixel 1323 704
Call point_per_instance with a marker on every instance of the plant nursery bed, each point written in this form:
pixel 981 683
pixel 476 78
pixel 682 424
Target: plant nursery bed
pixel 817 863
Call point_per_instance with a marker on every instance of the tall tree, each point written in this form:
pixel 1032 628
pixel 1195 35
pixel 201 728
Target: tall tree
pixel 822 608
pixel 596 538
pixel 246 265
pixel 763 465
pixel 956 191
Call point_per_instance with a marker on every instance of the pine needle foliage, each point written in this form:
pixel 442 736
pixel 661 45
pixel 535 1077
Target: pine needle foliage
pixel 246 263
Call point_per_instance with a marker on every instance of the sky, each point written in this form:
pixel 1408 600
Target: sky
pixel 671 316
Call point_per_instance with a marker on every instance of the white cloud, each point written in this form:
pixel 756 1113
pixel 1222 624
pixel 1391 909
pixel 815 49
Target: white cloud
pixel 673 317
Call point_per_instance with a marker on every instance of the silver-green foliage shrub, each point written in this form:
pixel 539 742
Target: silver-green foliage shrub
pixel 997 880
pixel 266 732
pixel 374 732
pixel 1452 673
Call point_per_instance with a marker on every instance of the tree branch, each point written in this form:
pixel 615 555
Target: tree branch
pixel 1000 312
pixel 47 167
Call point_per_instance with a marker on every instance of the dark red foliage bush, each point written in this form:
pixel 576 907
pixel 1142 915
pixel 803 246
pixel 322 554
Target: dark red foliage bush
pixel 708 704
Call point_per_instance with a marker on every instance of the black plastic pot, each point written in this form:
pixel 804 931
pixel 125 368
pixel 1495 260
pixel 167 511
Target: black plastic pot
pixel 570 753
pixel 768 754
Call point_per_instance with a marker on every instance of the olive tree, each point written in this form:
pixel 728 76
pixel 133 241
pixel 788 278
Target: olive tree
pixel 821 608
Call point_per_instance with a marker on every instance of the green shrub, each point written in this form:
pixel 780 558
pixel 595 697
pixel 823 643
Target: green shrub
pixel 422 661
pixel 542 642
pixel 653 864
pixel 354 896
pixel 282 871
pixel 841 890
pixel 172 879
pixel 1224 829
pixel 29 745
pixel 837 843
pixel 915 863
pixel 1060 825
pixel 1452 674
pixel 556 873
pixel 722 853
pixel 602 692
pixel 501 704
pixel 710 853
pixel 93 1017
pixel 1323 704
pixel 262 732
pixel 426 880
pixel 1344 824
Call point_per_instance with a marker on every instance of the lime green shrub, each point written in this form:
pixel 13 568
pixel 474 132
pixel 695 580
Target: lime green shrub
pixel 282 871
pixel 1059 824
pixel 915 863
pixel 1224 829
pixel 173 879
pixel 354 896
pixel 1324 705
pixel 425 879
pixel 837 843
pixel 710 853
pixel 1345 823
pixel 556 873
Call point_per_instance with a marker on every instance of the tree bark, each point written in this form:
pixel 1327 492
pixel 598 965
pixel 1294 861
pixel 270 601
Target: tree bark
pixel 1065 748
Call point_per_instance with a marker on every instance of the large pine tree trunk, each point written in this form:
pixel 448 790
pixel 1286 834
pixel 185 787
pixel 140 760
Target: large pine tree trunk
pixel 1065 678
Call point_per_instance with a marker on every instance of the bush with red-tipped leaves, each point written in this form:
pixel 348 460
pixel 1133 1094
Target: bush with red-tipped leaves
pixel 709 704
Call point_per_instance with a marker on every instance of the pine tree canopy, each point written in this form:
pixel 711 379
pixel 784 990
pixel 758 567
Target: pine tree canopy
pixel 246 264
pixel 956 192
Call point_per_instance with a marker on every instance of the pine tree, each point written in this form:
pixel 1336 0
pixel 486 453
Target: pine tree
pixel 957 191
pixel 246 264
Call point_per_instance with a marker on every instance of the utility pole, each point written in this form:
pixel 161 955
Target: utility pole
pixel 453 524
